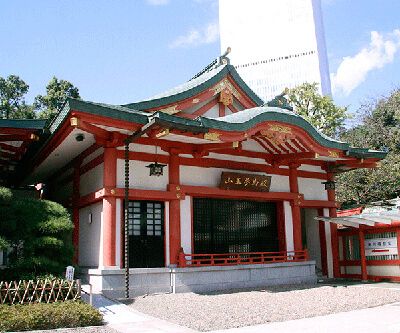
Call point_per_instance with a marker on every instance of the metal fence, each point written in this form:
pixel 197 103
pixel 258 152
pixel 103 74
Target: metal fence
pixel 39 291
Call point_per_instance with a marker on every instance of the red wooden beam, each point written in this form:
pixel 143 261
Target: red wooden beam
pixel 221 110
pixel 17 137
pixel 232 108
pixel 5 146
pixel 205 191
pixel 202 110
pixel 263 144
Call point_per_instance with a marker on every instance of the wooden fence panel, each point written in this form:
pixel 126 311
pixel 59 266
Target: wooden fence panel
pixel 39 291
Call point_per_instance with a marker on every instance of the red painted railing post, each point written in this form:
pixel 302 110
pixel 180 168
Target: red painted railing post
pixel 306 257
pixel 181 258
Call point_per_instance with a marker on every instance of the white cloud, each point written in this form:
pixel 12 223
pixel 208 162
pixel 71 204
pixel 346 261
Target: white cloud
pixel 196 37
pixel 353 70
pixel 157 2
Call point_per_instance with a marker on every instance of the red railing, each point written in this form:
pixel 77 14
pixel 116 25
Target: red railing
pixel 244 258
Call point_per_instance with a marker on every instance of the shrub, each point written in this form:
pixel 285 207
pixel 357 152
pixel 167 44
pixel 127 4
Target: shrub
pixel 39 236
pixel 45 316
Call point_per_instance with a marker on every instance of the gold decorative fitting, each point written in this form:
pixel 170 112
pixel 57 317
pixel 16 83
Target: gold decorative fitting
pixel 316 155
pixel 112 191
pixel 235 144
pixel 280 129
pixel 170 110
pixel 178 188
pixel 332 153
pixel 212 136
pixel 195 100
pixel 34 137
pixel 74 121
pixel 278 134
pixel 162 133
pixel 178 195
pixel 226 97
pixel 223 85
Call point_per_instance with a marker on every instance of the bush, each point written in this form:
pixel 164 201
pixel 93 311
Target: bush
pixel 38 234
pixel 45 316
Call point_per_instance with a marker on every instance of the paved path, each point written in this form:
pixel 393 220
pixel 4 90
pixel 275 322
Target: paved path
pixel 125 319
pixel 382 319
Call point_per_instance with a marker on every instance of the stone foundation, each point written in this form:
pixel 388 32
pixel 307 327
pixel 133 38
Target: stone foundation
pixel 142 281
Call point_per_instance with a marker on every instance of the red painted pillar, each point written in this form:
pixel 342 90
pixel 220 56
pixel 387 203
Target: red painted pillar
pixel 364 274
pixel 334 234
pixel 75 212
pixel 109 206
pixel 296 216
pixel 398 240
pixel 174 209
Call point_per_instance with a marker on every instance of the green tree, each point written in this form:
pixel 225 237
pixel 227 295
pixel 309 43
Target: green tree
pixel 318 110
pixel 379 129
pixel 38 233
pixel 57 91
pixel 12 92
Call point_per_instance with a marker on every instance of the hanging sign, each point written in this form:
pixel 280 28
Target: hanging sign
pixel 245 182
pixel 381 246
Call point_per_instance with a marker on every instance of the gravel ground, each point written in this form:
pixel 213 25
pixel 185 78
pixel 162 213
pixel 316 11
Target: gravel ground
pixel 91 329
pixel 214 311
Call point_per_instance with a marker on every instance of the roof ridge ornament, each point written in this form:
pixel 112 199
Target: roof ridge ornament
pixel 221 60
pixel 280 101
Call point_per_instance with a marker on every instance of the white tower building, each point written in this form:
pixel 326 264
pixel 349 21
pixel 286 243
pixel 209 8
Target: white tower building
pixel 275 43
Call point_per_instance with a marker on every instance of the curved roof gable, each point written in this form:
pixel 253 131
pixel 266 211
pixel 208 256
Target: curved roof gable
pixel 193 87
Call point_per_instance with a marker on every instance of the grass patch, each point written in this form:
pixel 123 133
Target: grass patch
pixel 44 316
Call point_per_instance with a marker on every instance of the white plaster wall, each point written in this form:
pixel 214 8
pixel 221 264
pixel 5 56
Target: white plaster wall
pixel 93 155
pixel 213 112
pixel 186 224
pixel 143 148
pixel 92 180
pixel 288 226
pixel 328 244
pixel 211 177
pixel 312 232
pixel 139 176
pixel 384 270
pixel 236 158
pixel 313 189
pixel 90 235
pixel 313 168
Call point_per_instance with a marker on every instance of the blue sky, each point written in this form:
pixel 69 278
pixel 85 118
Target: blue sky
pixel 124 50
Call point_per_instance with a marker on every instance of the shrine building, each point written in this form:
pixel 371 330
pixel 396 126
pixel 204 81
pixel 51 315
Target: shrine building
pixel 223 189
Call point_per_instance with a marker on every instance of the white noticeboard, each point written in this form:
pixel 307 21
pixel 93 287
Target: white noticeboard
pixel 381 246
pixel 69 273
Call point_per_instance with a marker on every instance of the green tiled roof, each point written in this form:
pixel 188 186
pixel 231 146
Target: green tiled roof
pixel 35 124
pixel 195 86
